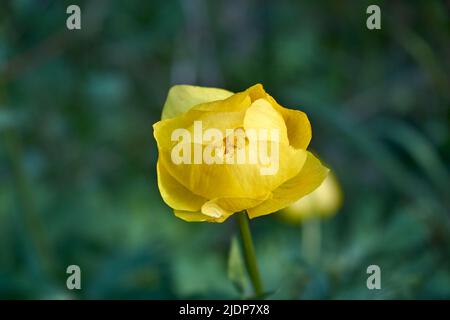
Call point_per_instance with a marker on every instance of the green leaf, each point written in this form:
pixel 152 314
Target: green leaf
pixel 236 267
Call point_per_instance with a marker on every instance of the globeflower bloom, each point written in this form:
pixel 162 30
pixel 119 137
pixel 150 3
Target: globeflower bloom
pixel 323 202
pixel 221 152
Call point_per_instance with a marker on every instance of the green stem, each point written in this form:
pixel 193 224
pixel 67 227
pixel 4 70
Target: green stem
pixel 311 240
pixel 249 253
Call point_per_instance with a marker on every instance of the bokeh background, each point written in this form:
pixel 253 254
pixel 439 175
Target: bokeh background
pixel 77 154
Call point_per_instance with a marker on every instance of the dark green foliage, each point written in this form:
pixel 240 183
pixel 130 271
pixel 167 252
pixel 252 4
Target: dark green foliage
pixel 77 154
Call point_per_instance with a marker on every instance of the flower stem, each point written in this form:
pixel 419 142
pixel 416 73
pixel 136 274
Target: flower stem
pixel 311 240
pixel 249 253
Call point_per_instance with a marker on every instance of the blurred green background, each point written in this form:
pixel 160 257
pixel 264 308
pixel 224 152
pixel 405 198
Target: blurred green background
pixel 77 154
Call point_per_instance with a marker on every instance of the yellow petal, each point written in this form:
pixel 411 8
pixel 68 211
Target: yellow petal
pixel 308 179
pixel 257 92
pixel 227 206
pixel 297 123
pixel 235 180
pixel 237 102
pixel 175 195
pixel 183 97
pixel 191 216
pixel 261 115
pixel 212 209
pixel 224 114
pixel 218 210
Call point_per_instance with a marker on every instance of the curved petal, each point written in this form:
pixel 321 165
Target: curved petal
pixel 297 123
pixel 174 194
pixel 308 179
pixel 224 207
pixel 237 102
pixel 218 210
pixel 183 97
pixel 192 216
pixel 257 92
pixel 212 209
pixel 261 115
pixel 298 126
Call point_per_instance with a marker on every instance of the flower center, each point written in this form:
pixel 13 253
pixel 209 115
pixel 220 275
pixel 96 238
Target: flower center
pixel 235 141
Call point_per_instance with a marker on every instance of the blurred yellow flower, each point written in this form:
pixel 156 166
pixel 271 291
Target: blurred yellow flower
pixel 323 202
pixel 200 177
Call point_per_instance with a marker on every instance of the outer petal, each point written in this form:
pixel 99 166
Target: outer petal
pixel 228 113
pixel 183 97
pixel 257 92
pixel 297 123
pixel 175 195
pixel 309 178
pixel 218 210
pixel 192 216
pixel 237 102
pixel 225 207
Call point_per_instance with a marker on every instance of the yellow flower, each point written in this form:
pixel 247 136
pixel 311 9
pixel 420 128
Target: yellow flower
pixel 199 190
pixel 323 202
